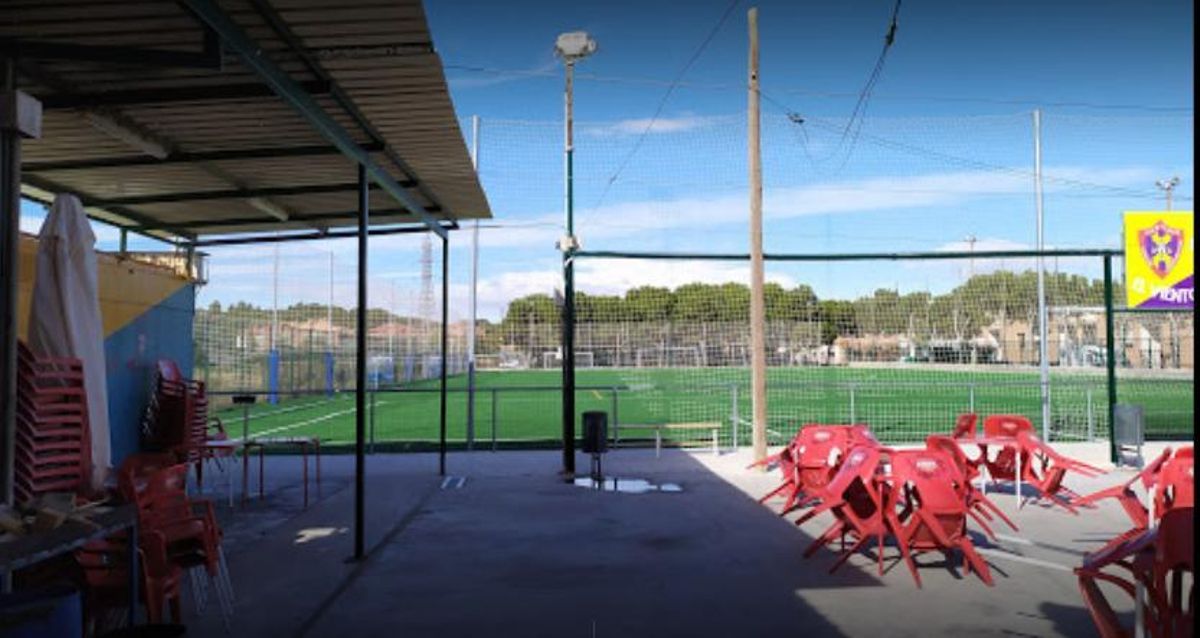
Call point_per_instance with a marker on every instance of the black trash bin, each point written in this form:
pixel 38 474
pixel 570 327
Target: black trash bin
pixel 595 432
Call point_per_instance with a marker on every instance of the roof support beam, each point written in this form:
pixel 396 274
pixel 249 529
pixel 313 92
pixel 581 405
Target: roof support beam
pixel 166 95
pixel 89 201
pixel 314 236
pixel 188 158
pixel 291 92
pixel 237 193
pixel 271 16
pixel 208 58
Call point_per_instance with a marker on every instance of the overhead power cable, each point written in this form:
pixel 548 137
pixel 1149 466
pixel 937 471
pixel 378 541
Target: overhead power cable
pixel 662 103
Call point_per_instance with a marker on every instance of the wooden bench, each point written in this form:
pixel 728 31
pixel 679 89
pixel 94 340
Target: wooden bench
pixel 658 428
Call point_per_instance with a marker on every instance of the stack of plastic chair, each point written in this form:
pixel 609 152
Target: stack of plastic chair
pixel 52 448
pixel 929 491
pixel 811 460
pixel 979 506
pixel 105 565
pixel 855 496
pixel 176 419
pixel 188 525
pixel 1156 555
pixel 1047 468
pixel 1040 466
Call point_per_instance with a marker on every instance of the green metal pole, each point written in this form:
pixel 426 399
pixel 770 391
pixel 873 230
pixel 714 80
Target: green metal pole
pixel 1110 357
pixel 568 318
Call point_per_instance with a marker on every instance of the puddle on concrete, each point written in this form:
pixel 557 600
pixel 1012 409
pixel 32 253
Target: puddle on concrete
pixel 626 485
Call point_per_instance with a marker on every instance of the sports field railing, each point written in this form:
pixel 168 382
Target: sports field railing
pixel 508 416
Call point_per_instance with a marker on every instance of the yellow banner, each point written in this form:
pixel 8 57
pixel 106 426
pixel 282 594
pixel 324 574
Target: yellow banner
pixel 1160 260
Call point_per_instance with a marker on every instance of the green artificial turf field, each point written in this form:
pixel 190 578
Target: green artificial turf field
pixel 898 403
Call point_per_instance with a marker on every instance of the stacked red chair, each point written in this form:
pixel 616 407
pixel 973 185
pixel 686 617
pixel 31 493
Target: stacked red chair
pixel 157 484
pixel 52 447
pixel 856 498
pixel 979 506
pixel 105 572
pixel 1157 554
pixel 811 459
pixel 920 498
pixel 932 496
pixel 176 418
pixel 1040 466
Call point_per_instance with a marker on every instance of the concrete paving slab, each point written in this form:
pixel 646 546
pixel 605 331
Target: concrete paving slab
pixel 511 550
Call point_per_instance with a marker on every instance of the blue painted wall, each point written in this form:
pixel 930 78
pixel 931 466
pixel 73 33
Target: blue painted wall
pixel 162 332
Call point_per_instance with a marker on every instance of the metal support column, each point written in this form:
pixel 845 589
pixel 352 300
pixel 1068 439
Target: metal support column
pixel 1110 357
pixel 360 376
pixel 568 309
pixel 445 345
pixel 10 215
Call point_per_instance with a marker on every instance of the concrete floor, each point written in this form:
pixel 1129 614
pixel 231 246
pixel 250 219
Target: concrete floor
pixel 515 552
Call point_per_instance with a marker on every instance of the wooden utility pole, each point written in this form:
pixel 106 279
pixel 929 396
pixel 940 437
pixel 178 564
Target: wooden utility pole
pixel 758 357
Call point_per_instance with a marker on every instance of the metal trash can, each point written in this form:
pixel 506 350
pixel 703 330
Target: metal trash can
pixel 595 432
pixel 1129 432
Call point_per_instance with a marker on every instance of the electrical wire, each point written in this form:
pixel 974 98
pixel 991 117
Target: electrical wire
pixel 662 103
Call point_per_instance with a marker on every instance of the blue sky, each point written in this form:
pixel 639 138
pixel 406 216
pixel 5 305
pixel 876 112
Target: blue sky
pixel 945 151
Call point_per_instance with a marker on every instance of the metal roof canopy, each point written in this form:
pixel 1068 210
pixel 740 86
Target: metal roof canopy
pixel 219 117
pixel 243 147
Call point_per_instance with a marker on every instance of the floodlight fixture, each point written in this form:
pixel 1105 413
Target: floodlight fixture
pixel 574 45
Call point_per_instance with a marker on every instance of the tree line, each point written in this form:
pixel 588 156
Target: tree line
pixel 959 313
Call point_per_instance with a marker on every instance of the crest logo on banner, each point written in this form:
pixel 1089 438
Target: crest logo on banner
pixel 1161 246
pixel 1160 260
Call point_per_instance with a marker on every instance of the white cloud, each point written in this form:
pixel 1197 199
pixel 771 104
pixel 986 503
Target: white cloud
pixel 638 126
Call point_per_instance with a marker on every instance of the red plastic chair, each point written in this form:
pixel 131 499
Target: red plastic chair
pixel 105 573
pixel 965 425
pixel 934 516
pixel 810 460
pixel 1157 558
pixel 855 498
pixel 1129 500
pixel 979 506
pixel 1045 469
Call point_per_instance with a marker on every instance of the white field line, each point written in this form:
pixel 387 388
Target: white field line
pixel 300 424
pixel 294 408
pixel 999 553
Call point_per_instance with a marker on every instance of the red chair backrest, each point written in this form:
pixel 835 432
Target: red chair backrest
pixel 818 444
pixel 964 425
pixel 1006 425
pixel 168 370
pixel 1176 483
pixel 935 477
pixel 948 446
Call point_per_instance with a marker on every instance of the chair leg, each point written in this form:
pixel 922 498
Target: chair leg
pixel 976 561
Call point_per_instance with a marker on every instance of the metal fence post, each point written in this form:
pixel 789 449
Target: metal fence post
pixel 616 422
pixel 853 416
pixel 733 412
pixel 1091 418
pixel 971 391
pixel 494 410
pixel 371 437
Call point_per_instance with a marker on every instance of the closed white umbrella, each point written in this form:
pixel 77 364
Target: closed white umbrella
pixel 64 315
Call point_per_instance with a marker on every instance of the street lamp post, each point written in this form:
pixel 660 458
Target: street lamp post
pixel 571 47
pixel 1168 186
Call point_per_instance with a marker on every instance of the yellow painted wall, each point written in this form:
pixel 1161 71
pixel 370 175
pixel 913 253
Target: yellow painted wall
pixel 127 288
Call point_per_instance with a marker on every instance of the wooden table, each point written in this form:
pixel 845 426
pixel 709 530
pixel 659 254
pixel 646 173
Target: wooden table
pixel 38 547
